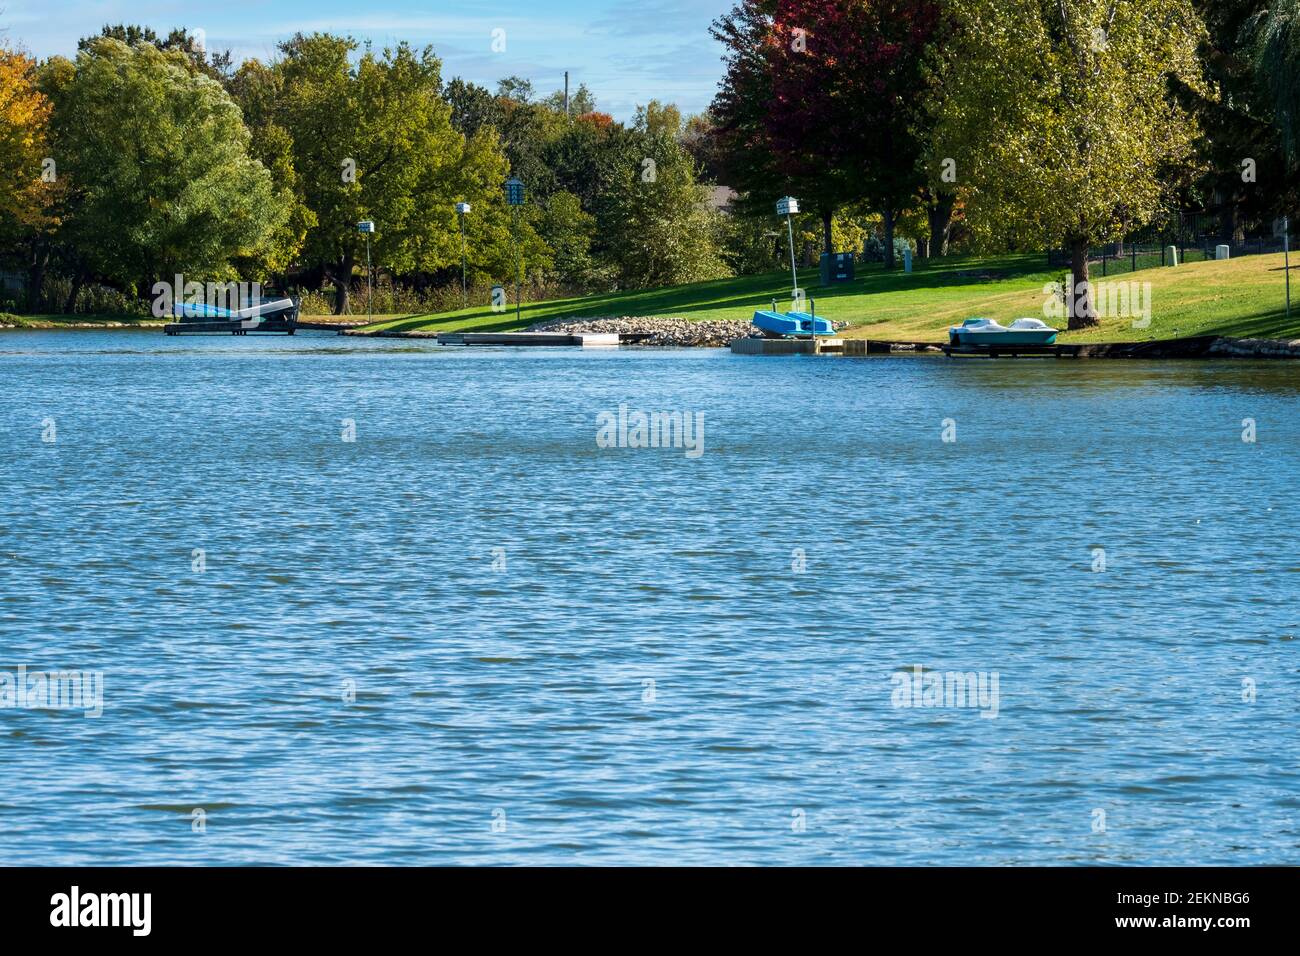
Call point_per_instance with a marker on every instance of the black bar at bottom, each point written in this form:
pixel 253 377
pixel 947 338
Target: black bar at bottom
pixel 335 906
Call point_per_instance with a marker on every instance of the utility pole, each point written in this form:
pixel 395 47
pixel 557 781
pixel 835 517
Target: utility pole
pixel 566 94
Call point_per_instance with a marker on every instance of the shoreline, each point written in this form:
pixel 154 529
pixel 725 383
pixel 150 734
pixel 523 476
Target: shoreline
pixel 681 333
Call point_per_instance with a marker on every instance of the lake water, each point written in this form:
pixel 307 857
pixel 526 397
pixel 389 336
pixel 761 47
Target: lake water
pixel 474 635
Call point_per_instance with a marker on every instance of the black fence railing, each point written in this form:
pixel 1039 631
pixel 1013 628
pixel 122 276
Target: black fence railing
pixel 1117 258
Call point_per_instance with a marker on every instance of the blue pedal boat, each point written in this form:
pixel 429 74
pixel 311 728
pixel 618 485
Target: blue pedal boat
pixel 783 324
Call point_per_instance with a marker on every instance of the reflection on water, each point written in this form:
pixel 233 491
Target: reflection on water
pixel 473 635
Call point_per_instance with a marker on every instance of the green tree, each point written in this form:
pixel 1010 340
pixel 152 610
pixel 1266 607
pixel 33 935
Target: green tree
pixel 257 89
pixel 656 225
pixel 158 169
pixel 215 64
pixel 371 140
pixel 1277 66
pixel 473 107
pixel 656 117
pixel 568 231
pixel 1060 121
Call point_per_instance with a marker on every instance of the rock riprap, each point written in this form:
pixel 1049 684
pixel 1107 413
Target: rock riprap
pixel 671 332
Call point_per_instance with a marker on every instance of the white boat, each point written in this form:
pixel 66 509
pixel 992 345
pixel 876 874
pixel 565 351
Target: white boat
pixel 988 332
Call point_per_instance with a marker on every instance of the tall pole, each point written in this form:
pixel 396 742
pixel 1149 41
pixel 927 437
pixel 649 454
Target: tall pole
pixel 1286 260
pixel 464 268
pixel 794 270
pixel 515 199
pixel 519 265
pixel 366 227
pixel 566 94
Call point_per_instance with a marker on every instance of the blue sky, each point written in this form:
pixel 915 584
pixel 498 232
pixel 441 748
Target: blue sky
pixel 627 51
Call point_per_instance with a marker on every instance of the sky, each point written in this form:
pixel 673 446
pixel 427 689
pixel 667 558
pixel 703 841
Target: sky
pixel 627 51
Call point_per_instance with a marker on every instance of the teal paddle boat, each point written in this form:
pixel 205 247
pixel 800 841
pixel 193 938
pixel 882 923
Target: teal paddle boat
pixel 779 325
pixel 988 332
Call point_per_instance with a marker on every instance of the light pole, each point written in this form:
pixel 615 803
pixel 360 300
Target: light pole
pixel 461 209
pixel 367 227
pixel 515 198
pixel 1286 260
pixel 787 207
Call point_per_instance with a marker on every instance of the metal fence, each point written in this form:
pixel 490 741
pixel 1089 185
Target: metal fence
pixel 1196 236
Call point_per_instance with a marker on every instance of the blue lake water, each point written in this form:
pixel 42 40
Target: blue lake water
pixel 473 635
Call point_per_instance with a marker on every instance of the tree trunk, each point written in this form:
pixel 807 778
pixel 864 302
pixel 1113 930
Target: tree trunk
pixel 889 237
pixel 828 242
pixel 343 284
pixel 940 216
pixel 36 275
pixel 78 281
pixel 1082 313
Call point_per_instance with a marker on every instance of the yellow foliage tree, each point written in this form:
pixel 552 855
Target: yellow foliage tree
pixel 27 175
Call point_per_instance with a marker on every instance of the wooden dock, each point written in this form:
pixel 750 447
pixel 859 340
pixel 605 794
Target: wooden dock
pixel 231 327
pixel 754 346
pixel 268 327
pixel 1191 347
pixel 584 340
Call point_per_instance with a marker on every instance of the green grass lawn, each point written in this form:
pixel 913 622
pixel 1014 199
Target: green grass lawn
pixel 1242 297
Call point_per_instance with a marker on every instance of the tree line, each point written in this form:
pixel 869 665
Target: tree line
pixel 1013 124
pixel 146 157
pixel 950 125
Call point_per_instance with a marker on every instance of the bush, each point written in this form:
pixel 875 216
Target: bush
pixel 93 299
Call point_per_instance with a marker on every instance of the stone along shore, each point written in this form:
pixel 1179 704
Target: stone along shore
pixel 665 332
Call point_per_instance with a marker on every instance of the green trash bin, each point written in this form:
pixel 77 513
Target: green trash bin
pixel 837 267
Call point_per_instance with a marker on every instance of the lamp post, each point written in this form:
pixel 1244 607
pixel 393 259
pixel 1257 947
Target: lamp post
pixel 787 207
pixel 461 209
pixel 367 227
pixel 515 198
pixel 1286 260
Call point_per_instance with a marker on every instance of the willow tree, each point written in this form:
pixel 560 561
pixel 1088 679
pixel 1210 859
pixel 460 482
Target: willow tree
pixel 1061 123
pixel 1277 65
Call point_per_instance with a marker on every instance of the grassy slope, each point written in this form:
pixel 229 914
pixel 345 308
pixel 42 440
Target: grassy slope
pixel 1243 297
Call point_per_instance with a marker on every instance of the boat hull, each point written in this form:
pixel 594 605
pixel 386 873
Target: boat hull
pixel 1002 339
pixel 783 324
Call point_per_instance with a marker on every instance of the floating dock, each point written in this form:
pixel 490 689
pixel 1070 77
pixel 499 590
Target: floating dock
pixel 231 327
pixel 268 326
pixel 584 340
pixel 754 346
